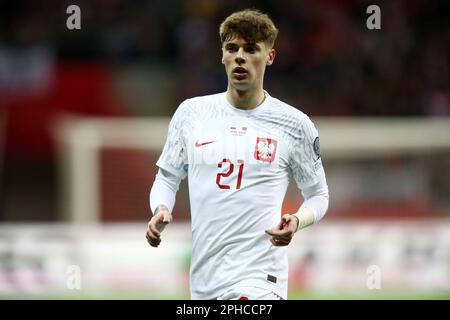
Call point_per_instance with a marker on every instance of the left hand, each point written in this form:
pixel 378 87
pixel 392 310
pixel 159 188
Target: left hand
pixel 283 233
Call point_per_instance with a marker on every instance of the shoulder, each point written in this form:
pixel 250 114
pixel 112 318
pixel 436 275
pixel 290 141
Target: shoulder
pixel 289 115
pixel 202 101
pixel 199 105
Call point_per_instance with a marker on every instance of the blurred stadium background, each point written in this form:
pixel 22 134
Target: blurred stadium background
pixel 84 114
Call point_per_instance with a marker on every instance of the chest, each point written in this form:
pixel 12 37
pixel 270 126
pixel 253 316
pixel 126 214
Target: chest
pixel 236 140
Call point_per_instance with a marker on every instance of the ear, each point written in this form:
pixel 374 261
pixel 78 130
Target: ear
pixel 271 57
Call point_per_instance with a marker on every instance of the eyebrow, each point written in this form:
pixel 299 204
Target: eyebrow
pixel 248 44
pixel 252 44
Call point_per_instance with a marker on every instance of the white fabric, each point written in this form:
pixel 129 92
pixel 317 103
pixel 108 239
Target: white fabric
pixel 317 197
pixel 164 190
pixel 165 186
pixel 249 293
pixel 238 164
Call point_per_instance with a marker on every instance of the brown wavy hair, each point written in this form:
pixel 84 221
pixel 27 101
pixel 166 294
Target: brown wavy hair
pixel 251 25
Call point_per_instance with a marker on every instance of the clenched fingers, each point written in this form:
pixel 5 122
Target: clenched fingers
pixel 152 230
pixel 280 242
pixel 153 236
pixel 283 233
pixel 154 242
pixel 156 226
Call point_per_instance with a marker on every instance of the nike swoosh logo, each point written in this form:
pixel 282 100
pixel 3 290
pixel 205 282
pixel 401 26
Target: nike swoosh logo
pixel 197 144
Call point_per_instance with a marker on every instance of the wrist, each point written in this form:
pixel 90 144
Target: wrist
pixel 298 222
pixel 305 217
pixel 159 208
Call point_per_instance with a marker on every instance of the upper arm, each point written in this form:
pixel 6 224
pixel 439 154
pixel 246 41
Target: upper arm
pixel 174 157
pixel 304 159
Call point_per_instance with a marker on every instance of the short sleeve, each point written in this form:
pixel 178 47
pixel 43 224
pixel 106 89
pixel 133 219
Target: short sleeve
pixel 174 156
pixel 305 162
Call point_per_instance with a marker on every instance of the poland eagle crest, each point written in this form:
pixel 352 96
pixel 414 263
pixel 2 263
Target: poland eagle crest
pixel 265 149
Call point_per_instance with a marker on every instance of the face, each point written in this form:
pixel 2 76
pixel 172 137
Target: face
pixel 245 63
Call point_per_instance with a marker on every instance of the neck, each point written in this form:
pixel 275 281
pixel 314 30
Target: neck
pixel 245 99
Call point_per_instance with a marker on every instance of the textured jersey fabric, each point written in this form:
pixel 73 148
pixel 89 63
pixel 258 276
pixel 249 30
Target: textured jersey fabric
pixel 238 164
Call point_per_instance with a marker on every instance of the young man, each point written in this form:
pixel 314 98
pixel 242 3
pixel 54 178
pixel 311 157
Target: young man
pixel 239 149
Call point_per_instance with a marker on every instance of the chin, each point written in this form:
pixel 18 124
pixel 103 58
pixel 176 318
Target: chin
pixel 240 86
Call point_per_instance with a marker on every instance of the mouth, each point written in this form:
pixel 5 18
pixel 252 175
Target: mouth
pixel 240 73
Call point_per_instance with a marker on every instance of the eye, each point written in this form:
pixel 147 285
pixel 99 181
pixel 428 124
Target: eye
pixel 231 48
pixel 251 49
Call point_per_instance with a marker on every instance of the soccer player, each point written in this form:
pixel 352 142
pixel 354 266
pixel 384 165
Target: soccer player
pixel 238 149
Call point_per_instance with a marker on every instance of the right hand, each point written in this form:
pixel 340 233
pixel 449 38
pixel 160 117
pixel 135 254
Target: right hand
pixel 156 225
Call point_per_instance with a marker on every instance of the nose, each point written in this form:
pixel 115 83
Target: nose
pixel 240 57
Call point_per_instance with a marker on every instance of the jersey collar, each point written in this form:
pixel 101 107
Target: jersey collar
pixel 249 112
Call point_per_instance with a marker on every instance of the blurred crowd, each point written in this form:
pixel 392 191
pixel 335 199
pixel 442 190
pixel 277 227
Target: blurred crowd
pixel 328 63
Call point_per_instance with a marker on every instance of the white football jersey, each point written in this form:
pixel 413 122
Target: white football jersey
pixel 238 164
